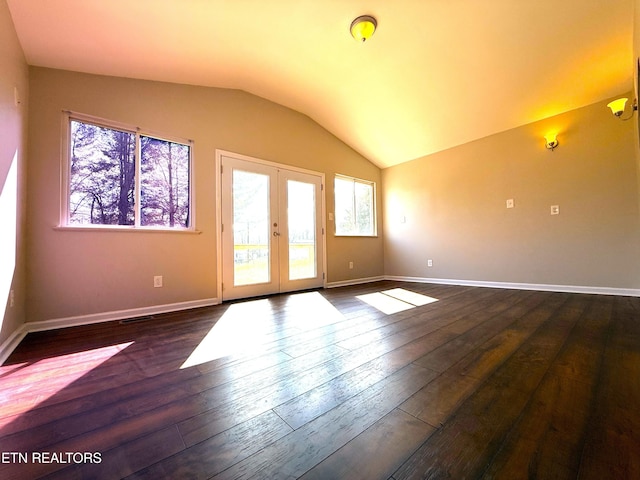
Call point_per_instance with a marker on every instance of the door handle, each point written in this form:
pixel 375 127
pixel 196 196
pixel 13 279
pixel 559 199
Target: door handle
pixel 276 234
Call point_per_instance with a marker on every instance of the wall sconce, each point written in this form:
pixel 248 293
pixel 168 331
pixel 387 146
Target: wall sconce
pixel 551 140
pixel 618 106
pixel 363 27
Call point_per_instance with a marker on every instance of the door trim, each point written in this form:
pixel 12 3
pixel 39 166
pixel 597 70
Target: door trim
pixel 218 208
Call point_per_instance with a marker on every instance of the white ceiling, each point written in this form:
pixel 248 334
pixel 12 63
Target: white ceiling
pixel 437 73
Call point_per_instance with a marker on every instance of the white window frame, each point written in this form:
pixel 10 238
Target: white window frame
pixel 65 208
pixel 374 214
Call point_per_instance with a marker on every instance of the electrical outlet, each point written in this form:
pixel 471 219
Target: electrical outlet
pixel 157 281
pixel 429 263
pixel 555 209
pixel 350 265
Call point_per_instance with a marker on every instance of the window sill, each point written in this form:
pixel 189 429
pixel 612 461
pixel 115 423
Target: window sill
pixel 124 229
pixel 354 236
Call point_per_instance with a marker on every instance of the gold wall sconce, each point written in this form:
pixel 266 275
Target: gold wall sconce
pixel 551 140
pixel 618 107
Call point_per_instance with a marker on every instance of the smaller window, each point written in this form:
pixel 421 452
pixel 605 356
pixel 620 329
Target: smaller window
pixel 355 213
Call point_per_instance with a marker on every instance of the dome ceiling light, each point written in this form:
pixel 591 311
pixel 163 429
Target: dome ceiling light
pixel 362 28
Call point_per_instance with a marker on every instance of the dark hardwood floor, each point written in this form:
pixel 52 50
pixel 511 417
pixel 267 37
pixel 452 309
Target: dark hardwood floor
pixel 482 383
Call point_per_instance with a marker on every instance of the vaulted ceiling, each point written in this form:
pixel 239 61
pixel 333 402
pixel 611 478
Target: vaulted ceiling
pixel 436 74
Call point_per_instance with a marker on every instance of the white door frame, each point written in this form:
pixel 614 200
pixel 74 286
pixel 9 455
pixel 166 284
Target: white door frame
pixel 218 210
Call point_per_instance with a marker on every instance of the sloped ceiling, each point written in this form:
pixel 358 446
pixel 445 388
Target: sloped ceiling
pixel 436 74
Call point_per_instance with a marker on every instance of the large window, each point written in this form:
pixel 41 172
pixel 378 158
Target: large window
pixel 107 185
pixel 355 202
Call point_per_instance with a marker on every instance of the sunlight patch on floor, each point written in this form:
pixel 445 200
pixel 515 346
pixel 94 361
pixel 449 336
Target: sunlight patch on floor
pixel 244 327
pixel 311 310
pixel 396 300
pixel 413 298
pixel 6 370
pixel 69 368
pixel 241 329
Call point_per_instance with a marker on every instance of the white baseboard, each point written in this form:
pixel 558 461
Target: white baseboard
pixel 118 315
pixel 624 292
pixel 16 337
pixel 10 344
pixel 355 281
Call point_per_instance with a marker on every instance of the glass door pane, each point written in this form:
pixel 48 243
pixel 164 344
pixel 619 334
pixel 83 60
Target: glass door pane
pixel 271 234
pixel 301 216
pixel 251 231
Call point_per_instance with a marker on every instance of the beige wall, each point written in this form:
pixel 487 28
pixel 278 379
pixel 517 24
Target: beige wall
pixel 455 207
pixel 81 272
pixel 13 128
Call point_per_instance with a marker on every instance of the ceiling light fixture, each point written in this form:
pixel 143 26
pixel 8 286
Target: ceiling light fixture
pixel 551 140
pixel 363 27
pixel 618 106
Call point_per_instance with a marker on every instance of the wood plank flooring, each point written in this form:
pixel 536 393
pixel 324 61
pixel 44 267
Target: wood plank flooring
pixel 456 382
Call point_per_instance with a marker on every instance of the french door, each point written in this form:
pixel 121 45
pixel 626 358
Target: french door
pixel 272 234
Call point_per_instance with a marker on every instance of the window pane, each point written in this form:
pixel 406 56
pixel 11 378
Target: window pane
pixel 164 183
pixel 250 228
pixel 102 175
pixel 301 214
pixel 354 207
pixel 344 216
pixel 364 208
